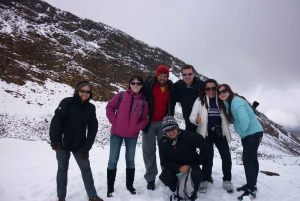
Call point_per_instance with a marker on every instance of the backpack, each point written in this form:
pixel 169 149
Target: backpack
pixel 185 186
pixel 121 97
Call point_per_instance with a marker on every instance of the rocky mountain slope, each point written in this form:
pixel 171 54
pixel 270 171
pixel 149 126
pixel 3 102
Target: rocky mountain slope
pixel 44 51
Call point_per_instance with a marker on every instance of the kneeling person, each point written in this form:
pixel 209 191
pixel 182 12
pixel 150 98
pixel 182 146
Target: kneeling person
pixel 177 151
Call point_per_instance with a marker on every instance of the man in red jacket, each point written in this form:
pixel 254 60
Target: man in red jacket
pixel 158 90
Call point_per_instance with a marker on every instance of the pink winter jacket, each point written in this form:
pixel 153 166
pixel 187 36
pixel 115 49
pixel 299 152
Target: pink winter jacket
pixel 131 116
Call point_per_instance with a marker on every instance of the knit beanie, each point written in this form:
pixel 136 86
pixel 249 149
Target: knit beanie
pixel 162 70
pixel 169 121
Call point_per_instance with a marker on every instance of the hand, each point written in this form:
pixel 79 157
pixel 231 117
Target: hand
pixel 83 155
pixel 57 147
pixel 184 168
pixel 198 119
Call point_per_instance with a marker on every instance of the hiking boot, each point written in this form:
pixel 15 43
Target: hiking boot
pixel 203 186
pixel 95 198
pixel 228 186
pixel 248 192
pixel 61 199
pixel 151 185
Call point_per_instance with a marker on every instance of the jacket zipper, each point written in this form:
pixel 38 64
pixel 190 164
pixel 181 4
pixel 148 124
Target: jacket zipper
pixel 62 139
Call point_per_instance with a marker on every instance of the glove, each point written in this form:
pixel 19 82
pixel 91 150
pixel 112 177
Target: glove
pixel 83 155
pixel 57 146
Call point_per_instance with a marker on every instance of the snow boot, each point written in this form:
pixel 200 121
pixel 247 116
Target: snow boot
pixel 248 192
pixel 111 177
pixel 228 186
pixel 129 180
pixel 244 188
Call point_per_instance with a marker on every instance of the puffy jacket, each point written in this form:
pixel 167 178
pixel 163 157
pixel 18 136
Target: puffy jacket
pixel 244 119
pixel 147 92
pixel 130 117
pixel 184 152
pixel 198 108
pixel 74 125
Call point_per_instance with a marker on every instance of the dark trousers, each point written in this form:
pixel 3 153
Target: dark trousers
pixel 223 148
pixel 189 126
pixel 251 166
pixel 169 178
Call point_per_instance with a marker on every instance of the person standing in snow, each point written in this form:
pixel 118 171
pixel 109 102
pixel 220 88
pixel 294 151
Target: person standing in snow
pixel 212 125
pixel 186 92
pixel 128 115
pixel 73 128
pixel 178 153
pixel 239 112
pixel 159 93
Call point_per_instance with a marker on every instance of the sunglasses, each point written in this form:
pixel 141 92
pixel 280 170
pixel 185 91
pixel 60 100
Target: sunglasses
pixel 224 91
pixel 83 91
pixel 212 88
pixel 171 129
pixel 136 83
pixel 187 74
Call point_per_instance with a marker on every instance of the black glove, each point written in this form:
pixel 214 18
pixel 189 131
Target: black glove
pixel 83 155
pixel 56 147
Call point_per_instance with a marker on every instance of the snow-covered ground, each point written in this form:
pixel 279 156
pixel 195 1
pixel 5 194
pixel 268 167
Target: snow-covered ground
pixel 28 171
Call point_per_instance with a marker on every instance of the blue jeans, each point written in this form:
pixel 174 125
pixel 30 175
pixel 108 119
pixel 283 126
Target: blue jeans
pixel 63 157
pixel 114 152
pixel 251 166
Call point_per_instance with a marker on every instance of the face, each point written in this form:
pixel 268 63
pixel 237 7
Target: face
pixel 172 132
pixel 136 86
pixel 84 96
pixel 162 79
pixel 210 89
pixel 188 76
pixel 223 93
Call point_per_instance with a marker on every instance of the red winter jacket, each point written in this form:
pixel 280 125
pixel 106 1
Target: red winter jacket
pixel 131 116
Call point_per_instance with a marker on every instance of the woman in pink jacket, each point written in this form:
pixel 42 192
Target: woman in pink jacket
pixel 127 111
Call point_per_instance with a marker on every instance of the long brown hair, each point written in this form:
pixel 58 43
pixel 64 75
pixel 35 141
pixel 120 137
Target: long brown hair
pixel 202 94
pixel 221 104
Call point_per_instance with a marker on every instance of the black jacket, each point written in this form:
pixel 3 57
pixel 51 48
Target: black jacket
pixel 74 125
pixel 184 152
pixel 147 92
pixel 186 96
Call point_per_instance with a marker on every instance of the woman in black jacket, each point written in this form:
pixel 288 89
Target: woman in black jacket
pixel 73 129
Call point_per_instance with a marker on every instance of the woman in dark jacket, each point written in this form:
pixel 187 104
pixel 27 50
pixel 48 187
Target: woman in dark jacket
pixel 73 129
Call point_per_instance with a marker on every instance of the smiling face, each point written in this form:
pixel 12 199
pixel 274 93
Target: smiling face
pixel 172 132
pixel 223 93
pixel 84 96
pixel 136 85
pixel 162 79
pixel 210 89
pixel 188 76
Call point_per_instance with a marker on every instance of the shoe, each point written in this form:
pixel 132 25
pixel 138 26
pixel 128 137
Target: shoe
pixel 129 180
pixel 61 199
pixel 203 187
pixel 228 186
pixel 248 192
pixel 244 188
pixel 95 198
pixel 151 185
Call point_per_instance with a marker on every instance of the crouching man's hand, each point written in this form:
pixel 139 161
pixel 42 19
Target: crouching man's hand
pixel 184 168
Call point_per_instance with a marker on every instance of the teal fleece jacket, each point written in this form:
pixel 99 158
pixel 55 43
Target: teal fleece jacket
pixel 245 122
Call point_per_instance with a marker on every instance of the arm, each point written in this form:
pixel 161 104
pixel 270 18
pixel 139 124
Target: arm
pixel 59 117
pixel 243 117
pixel 144 119
pixel 92 131
pixel 196 111
pixel 111 108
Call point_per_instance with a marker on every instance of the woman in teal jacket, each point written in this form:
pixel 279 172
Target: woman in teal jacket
pixel 239 113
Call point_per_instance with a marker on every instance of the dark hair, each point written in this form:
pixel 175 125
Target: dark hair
pixel 202 93
pixel 188 67
pixel 139 78
pixel 229 115
pixel 81 84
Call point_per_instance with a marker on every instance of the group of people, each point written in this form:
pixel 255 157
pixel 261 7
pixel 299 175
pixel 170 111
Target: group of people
pixel 207 108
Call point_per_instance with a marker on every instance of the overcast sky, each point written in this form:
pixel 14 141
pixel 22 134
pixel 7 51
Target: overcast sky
pixel 254 46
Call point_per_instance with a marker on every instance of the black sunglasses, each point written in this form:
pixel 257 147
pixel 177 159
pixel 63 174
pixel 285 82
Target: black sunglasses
pixel 210 88
pixel 171 129
pixel 83 91
pixel 187 74
pixel 136 83
pixel 224 91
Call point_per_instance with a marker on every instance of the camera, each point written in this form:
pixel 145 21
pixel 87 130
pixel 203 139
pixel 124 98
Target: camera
pixel 217 131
